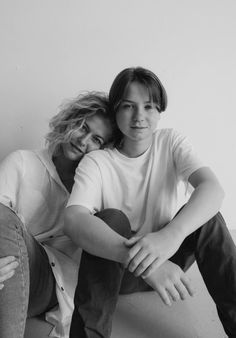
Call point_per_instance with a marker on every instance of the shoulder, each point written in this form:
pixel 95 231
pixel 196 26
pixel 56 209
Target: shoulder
pixel 22 160
pixel 166 133
pixel 99 156
pixel 171 136
pixel 16 157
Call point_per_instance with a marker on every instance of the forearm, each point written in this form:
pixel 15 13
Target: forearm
pixel 203 204
pixel 94 236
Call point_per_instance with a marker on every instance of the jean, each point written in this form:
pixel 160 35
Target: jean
pixel 100 281
pixel 31 291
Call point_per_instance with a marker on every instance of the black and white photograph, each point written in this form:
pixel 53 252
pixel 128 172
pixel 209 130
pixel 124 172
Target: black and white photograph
pixel 118 169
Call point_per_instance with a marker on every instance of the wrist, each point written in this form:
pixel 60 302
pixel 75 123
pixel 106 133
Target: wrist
pixel 175 230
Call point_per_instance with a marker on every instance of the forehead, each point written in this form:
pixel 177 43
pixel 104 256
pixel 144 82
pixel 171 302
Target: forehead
pixel 137 91
pixel 99 126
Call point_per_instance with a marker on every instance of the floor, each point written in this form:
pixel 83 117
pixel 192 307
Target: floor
pixel 143 315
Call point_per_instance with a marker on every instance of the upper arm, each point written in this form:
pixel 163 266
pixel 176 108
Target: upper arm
pixel 73 217
pixel 203 175
pixel 87 188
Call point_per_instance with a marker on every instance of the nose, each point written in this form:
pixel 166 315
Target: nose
pixel 138 114
pixel 84 139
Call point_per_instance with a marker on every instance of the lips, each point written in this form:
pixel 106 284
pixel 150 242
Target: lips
pixel 137 127
pixel 77 148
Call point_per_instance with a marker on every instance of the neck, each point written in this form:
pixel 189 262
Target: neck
pixel 134 148
pixel 65 169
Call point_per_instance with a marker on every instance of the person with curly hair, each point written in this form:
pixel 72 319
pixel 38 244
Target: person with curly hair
pixel 38 269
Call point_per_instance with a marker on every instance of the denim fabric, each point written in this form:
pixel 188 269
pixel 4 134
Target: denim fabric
pixel 100 281
pixel 31 290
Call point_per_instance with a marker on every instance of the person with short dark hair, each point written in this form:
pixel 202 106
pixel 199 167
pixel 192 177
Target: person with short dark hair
pixel 123 213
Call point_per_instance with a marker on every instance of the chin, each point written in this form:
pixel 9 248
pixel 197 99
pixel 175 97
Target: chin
pixel 74 157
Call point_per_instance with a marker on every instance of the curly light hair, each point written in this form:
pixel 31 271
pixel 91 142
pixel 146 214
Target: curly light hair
pixel 72 115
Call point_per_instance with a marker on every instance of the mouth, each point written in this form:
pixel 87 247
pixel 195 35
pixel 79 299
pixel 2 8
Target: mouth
pixel 76 148
pixel 138 127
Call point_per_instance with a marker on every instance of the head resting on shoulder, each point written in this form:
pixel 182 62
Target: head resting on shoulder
pixel 72 115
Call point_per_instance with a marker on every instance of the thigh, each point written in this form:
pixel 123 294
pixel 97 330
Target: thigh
pixel 184 256
pixel 131 284
pixel 42 293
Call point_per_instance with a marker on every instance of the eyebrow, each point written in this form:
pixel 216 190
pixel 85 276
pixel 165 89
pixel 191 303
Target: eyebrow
pixel 126 100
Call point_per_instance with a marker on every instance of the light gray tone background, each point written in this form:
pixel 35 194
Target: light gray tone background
pixel 53 49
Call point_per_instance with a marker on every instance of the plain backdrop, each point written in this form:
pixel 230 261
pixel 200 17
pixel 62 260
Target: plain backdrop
pixel 53 49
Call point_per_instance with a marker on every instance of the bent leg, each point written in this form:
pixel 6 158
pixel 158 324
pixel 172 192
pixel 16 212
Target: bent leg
pixel 42 293
pixel 98 286
pixel 215 253
pixel 14 297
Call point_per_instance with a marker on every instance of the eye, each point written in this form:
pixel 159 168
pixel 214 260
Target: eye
pixel 98 141
pixel 127 106
pixel 149 106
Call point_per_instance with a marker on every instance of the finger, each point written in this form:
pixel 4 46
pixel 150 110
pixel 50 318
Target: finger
pixel 132 253
pixel 144 265
pixel 1 286
pixel 173 293
pixel 164 296
pixel 183 292
pixel 6 260
pixel 7 276
pixel 133 240
pixel 7 268
pixel 155 265
pixel 138 258
pixel 188 285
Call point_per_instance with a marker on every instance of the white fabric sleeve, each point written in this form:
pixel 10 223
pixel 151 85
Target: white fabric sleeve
pixel 87 189
pixel 11 173
pixel 185 157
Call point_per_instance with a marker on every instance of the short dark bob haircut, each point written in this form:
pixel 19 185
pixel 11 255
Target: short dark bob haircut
pixel 143 76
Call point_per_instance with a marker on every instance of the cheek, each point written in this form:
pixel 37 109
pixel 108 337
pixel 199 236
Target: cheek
pixel 154 120
pixel 121 119
pixel 92 146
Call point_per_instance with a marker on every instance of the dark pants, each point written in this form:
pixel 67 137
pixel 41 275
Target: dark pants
pixel 100 280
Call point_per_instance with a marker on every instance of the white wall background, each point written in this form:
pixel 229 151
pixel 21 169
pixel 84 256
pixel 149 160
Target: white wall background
pixel 52 49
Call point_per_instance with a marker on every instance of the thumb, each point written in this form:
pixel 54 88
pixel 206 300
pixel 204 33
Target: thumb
pixel 133 240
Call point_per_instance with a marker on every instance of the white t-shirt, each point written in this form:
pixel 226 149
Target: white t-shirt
pixel 31 187
pixel 144 188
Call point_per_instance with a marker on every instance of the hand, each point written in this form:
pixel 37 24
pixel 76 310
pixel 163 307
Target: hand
pixel 171 283
pixel 7 268
pixel 150 251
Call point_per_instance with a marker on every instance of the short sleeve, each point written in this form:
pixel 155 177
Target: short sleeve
pixel 87 189
pixel 186 159
pixel 11 171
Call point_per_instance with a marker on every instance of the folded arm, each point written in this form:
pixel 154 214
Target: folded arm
pixel 93 235
pixel 147 253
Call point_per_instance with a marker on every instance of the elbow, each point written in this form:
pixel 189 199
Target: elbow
pixel 221 193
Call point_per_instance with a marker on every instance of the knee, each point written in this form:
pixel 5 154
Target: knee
pixel 217 220
pixel 116 220
pixel 10 224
